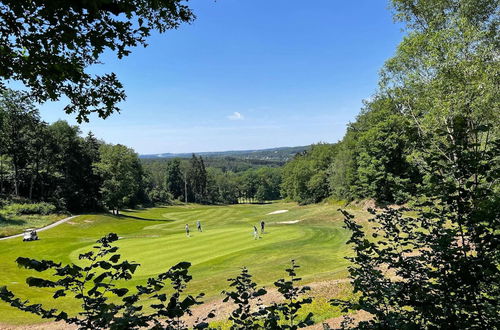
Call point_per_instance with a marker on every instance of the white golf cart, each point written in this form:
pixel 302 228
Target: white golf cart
pixel 30 235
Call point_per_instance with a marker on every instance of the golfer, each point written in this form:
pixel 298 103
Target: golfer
pixel 262 225
pixel 255 233
pixel 187 230
pixel 198 225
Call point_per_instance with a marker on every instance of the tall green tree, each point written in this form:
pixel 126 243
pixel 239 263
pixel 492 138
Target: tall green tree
pixel 67 164
pixel 305 178
pixel 197 180
pixel 19 119
pixel 90 198
pixel 174 179
pixel 442 264
pixel 121 173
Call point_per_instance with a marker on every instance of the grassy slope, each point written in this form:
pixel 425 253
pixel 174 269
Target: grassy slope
pixel 155 238
pixel 12 225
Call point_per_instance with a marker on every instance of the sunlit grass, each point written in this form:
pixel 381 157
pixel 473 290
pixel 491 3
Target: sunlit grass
pixel 155 238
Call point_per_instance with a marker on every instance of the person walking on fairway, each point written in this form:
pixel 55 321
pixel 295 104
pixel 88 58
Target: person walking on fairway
pixel 187 230
pixel 198 225
pixel 262 225
pixel 255 233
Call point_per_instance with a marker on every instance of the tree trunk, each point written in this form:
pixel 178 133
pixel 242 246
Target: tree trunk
pixel 16 181
pixel 1 175
pixel 32 181
pixel 185 189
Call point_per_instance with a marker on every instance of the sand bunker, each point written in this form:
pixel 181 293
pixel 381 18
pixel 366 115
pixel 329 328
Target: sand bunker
pixel 278 212
pixel 291 222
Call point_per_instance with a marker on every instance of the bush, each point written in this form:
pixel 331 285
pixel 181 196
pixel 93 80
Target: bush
pixel 27 208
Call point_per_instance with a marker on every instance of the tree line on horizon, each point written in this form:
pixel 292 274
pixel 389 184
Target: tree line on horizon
pixel 53 163
pixel 190 180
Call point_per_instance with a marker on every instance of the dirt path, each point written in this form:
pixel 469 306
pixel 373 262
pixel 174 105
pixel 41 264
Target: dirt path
pixel 334 323
pixel 43 326
pixel 57 223
pixel 222 310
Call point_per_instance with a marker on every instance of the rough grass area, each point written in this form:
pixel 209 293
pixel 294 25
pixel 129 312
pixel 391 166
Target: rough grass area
pixel 156 239
pixel 12 224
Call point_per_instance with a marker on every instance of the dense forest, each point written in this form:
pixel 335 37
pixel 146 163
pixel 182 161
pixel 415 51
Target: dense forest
pixel 54 164
pixel 373 161
pixel 213 180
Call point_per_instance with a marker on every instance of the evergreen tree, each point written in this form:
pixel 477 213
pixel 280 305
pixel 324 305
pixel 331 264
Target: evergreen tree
pixel 174 179
pixel 197 180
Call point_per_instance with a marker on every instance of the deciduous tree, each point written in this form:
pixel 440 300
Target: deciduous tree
pixel 49 45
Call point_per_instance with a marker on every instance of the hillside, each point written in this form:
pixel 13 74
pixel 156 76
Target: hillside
pixel 281 154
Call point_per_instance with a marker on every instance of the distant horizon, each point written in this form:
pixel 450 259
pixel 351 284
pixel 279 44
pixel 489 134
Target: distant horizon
pixel 223 151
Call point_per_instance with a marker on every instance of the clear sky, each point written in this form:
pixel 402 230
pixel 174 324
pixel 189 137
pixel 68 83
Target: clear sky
pixel 249 74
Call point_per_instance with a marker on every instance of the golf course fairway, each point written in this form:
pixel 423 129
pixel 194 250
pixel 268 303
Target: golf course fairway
pixel 312 235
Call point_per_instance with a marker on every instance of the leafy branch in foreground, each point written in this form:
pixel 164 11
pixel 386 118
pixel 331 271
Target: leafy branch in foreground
pixel 245 291
pixel 291 305
pixel 104 304
pixel 49 45
pixel 279 315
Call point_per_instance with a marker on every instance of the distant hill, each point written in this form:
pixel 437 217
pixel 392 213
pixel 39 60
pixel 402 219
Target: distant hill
pixel 281 154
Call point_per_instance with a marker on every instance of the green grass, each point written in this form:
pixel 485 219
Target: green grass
pixel 156 239
pixel 16 224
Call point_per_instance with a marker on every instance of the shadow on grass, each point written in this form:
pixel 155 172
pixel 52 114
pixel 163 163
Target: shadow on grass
pixel 142 219
pixel 11 222
pixel 140 209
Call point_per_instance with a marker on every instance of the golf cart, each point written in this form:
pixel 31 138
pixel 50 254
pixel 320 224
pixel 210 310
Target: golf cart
pixel 30 235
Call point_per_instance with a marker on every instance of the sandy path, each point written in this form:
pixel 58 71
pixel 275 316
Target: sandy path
pixel 43 326
pixel 57 223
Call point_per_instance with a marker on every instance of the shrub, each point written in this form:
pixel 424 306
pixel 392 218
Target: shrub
pixel 27 208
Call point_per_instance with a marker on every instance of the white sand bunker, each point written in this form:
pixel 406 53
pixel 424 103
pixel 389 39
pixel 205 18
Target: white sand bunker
pixel 291 222
pixel 278 212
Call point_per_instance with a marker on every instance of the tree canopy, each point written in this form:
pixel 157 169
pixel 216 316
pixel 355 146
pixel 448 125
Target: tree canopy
pixel 439 268
pixel 48 45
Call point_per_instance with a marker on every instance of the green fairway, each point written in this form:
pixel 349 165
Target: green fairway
pixel 156 239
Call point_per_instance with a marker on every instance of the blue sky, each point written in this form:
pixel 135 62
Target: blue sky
pixel 249 74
